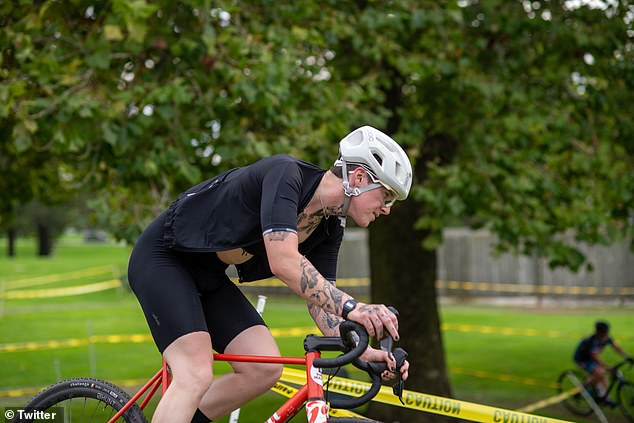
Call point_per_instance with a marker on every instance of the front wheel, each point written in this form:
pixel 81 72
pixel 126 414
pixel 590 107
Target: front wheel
pixel 576 403
pixel 625 394
pixel 83 399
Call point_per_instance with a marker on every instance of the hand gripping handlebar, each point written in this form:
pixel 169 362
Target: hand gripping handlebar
pixel 353 341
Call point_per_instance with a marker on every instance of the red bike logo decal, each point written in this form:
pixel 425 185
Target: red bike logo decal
pixel 317 411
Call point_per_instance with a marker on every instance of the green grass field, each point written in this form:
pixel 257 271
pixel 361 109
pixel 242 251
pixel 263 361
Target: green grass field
pixel 502 356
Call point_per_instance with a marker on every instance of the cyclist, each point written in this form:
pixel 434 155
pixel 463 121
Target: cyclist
pixel 588 356
pixel 279 216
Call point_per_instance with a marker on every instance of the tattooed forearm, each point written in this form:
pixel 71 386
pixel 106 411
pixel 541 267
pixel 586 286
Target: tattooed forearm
pixel 328 323
pixel 277 235
pixel 318 290
pixel 309 277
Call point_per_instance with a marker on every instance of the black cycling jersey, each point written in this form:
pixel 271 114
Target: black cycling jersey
pixel 589 345
pixel 175 272
pixel 234 209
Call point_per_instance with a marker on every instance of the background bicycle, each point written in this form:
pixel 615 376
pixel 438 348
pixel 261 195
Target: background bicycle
pixel 619 389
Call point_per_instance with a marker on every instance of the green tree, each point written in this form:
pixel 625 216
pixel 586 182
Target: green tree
pixel 518 115
pixel 139 100
pixel 46 223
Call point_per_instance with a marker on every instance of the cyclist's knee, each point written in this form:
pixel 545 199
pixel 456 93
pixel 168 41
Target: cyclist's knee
pixel 275 373
pixel 195 380
pixel 264 376
pixel 599 372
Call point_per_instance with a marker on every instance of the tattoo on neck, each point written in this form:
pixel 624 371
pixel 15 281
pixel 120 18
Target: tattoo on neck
pixel 335 210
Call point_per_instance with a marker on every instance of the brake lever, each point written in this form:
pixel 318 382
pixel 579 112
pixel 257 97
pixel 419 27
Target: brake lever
pixel 398 389
pixel 386 344
pixel 400 355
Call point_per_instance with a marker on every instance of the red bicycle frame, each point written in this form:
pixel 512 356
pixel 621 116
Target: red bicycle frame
pixel 311 394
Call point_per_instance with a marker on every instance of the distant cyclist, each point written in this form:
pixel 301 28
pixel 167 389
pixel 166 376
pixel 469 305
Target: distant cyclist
pixel 279 216
pixel 588 357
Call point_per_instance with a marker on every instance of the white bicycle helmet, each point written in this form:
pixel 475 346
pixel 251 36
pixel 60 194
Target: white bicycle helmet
pixel 384 160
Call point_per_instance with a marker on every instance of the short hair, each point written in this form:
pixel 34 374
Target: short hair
pixel 602 327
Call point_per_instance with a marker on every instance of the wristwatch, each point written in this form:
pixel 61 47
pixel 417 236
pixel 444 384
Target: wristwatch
pixel 348 306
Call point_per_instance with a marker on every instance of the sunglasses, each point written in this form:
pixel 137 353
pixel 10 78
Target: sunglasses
pixel 389 197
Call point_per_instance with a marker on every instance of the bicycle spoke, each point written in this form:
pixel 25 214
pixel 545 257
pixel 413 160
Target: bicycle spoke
pixel 93 412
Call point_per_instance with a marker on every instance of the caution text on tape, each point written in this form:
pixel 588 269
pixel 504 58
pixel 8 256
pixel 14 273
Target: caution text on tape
pixel 428 403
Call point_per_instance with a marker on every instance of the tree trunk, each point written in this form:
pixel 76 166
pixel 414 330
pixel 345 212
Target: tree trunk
pixel 45 243
pixel 404 275
pixel 12 233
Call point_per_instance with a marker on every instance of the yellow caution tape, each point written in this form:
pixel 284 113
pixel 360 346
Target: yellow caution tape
pixel 62 292
pixel 509 287
pixel 74 342
pixel 58 277
pixel 19 392
pixel 503 331
pixel 275 282
pixel 533 289
pixel 288 391
pixel 504 378
pixel 428 403
pixel 549 401
pixel 116 339
pixel 299 378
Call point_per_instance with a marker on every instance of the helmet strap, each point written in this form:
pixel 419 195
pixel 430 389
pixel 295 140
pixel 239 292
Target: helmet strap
pixel 350 191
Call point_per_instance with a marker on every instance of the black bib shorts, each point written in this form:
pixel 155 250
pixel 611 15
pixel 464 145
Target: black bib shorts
pixel 184 293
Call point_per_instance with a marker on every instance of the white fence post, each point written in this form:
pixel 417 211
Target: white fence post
pixel 235 414
pixel 588 398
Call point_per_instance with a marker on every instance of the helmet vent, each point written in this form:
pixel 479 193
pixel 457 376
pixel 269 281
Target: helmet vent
pixel 378 158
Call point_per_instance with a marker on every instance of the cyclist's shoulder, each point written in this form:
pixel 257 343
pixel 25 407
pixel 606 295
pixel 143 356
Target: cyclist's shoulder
pixel 283 160
pixel 283 167
pixel 584 345
pixel 585 340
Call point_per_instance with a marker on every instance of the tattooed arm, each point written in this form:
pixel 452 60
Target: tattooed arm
pixel 301 276
pixel 327 323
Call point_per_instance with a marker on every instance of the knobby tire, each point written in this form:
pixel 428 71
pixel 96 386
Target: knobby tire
pixel 85 400
pixel 625 394
pixel 575 403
